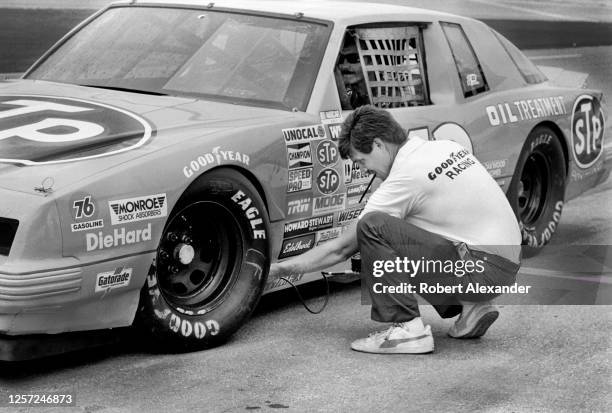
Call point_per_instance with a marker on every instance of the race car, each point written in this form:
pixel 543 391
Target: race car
pixel 163 154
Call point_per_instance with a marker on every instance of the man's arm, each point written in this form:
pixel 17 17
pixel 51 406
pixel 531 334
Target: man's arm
pixel 323 256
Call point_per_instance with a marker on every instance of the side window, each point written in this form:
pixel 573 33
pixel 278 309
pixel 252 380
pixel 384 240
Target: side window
pixel 530 72
pixel 382 66
pixel 470 73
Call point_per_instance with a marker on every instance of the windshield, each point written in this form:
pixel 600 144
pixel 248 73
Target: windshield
pixel 249 59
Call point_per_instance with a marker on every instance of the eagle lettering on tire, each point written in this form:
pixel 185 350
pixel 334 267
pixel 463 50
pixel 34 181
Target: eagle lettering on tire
pixel 211 264
pixel 537 189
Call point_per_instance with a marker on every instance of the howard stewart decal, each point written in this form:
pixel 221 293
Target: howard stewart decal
pixel 327 153
pixel 299 180
pixel 587 130
pixel 138 209
pixel 307 225
pixel 299 156
pixel 85 208
pixel 328 181
pixel 296 246
pixel 519 110
pixel 304 134
pixel 113 279
pixel 37 130
pixel 215 157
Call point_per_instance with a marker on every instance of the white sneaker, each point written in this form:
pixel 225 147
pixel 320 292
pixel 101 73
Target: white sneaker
pixel 396 339
pixel 474 321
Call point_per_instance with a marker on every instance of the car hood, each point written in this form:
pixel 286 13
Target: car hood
pixel 47 128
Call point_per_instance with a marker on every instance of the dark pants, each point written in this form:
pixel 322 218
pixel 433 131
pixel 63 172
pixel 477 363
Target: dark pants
pixel 382 237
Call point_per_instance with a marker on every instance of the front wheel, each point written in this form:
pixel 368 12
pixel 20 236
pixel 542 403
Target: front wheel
pixel 537 188
pixel 211 264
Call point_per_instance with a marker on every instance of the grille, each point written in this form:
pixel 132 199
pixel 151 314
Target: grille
pixel 8 229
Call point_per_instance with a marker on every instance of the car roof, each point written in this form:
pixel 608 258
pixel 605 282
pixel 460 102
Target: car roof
pixel 338 11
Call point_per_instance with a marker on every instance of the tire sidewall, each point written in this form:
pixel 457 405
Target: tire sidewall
pixel 182 329
pixel 535 235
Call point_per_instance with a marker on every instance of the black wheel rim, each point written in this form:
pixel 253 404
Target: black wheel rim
pixel 534 187
pixel 210 232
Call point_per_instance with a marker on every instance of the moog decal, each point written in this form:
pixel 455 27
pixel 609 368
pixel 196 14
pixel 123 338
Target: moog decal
pixel 37 130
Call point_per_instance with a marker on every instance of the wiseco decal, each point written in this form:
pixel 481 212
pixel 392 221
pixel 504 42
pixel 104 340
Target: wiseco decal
pixel 138 209
pixel 38 130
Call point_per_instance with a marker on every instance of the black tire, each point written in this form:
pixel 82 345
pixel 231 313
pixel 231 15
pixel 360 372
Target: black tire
pixel 189 305
pixel 537 190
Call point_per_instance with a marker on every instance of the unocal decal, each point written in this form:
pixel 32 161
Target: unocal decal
pixel 37 130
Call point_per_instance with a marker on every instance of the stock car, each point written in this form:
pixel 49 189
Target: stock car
pixel 159 157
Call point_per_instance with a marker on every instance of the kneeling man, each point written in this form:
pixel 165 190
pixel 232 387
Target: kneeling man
pixel 438 225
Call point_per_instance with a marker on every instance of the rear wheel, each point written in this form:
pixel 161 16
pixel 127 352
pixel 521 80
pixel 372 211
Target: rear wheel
pixel 537 189
pixel 211 264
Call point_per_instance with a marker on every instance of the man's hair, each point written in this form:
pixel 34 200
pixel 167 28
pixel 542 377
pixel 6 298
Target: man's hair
pixel 363 125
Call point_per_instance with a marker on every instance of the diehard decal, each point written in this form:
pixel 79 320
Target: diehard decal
pixel 520 110
pixel 138 209
pixel 307 225
pixel 299 180
pixel 299 155
pixel 252 214
pixel 327 153
pixel 296 246
pixel 328 203
pixel 587 130
pixel 328 181
pixel 37 130
pixel 216 156
pixel 303 134
pixel 113 279
pixel 119 237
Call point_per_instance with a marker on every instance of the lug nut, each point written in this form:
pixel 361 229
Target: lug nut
pixel 172 237
pixel 173 269
pixel 164 256
pixel 186 239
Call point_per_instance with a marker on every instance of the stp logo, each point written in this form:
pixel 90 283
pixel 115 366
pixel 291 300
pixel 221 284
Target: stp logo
pixel 328 181
pixel 327 153
pixel 587 130
pixel 38 130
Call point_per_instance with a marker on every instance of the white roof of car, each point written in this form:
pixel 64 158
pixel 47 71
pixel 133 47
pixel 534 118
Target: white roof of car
pixel 338 11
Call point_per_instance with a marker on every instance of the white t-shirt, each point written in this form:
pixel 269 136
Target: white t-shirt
pixel 440 187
